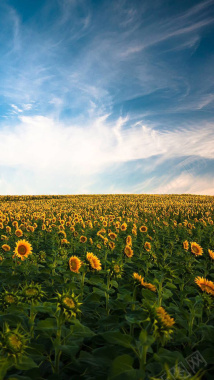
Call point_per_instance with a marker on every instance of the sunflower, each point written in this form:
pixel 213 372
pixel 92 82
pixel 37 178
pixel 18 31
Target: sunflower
pixel 32 293
pixel 13 341
pixel 186 245
pixel 129 240
pixel 143 229
pixel 164 317
pixel 123 227
pixel 128 251
pixel 6 247
pixel 93 261
pixel 149 286
pixel 74 264
pixel 138 277
pixel 196 249
pixel 64 242
pixel 18 233
pixel 8 229
pixel 205 285
pixel 211 253
pixel 68 304
pixel 23 249
pixel 111 245
pixel 83 239
pixel 112 235
pixel 147 246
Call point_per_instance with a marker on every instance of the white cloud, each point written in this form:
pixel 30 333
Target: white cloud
pixel 186 183
pixel 16 109
pixel 67 158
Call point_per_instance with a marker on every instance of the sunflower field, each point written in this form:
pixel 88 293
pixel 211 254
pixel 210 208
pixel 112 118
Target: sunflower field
pixel 107 287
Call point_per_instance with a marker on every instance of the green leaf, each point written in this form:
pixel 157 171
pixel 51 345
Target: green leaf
pixel 70 350
pixel 115 337
pixel 47 324
pixel 80 331
pixel 121 364
pixel 167 294
pixel 5 365
pixel 25 363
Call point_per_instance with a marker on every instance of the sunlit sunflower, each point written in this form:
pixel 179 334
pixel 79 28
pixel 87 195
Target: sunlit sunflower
pixel 143 229
pixel 147 246
pixel 196 249
pixel 112 235
pixel 74 264
pixel 83 239
pixel 138 277
pixel 128 251
pixel 6 247
pixel 18 233
pixel 129 240
pixel 205 285
pixel 149 286
pixel 64 242
pixel 93 261
pixel 211 254
pixel 111 245
pixel 186 245
pixel 123 227
pixel 164 317
pixel 23 249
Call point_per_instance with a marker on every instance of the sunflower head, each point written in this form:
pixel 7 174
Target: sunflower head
pixel 147 246
pixel 23 249
pixel 68 304
pixel 143 229
pixel 13 342
pixel 74 264
pixel 8 298
pixel 111 245
pixel 211 254
pixel 163 325
pixel 196 249
pixel 205 285
pixel 128 251
pixel 18 232
pixel 186 245
pixel 129 240
pixel 83 239
pixel 93 261
pixel 32 293
pixel 116 269
pixel 6 247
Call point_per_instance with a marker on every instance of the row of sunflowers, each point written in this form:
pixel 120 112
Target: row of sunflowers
pixel 106 286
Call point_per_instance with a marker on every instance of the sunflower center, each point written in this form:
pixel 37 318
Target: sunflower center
pixel 69 302
pixel 195 249
pixel 74 265
pixel 31 292
pixel 116 268
pixel 15 342
pixel 10 299
pixel 22 250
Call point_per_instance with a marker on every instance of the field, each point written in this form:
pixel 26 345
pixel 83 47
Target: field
pixel 107 287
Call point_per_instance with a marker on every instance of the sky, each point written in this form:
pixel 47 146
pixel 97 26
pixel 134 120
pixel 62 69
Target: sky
pixel 105 96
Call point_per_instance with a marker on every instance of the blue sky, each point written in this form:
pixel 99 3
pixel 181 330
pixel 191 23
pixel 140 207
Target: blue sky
pixel 106 96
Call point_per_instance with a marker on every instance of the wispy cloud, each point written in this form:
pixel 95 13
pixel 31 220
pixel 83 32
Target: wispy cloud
pixel 41 145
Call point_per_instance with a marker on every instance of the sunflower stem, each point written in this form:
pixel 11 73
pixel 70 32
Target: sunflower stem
pixel 107 292
pixel 82 285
